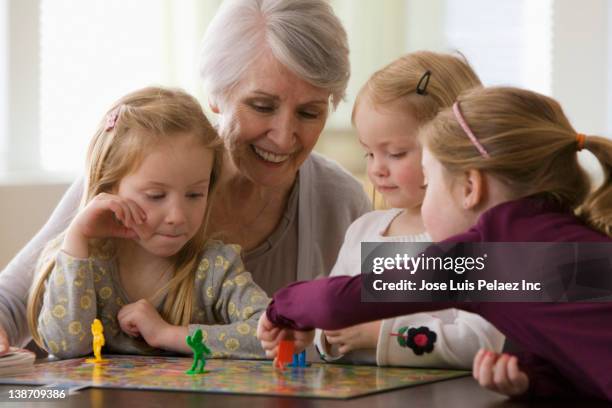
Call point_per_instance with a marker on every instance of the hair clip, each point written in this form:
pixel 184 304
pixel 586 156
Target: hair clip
pixel 111 119
pixel 421 87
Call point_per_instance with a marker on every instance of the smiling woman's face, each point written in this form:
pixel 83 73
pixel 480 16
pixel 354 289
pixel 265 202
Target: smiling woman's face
pixel 275 119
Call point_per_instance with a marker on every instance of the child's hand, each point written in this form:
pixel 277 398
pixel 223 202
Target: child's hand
pixel 142 319
pixel 361 336
pixel 499 373
pixel 106 216
pixel 270 336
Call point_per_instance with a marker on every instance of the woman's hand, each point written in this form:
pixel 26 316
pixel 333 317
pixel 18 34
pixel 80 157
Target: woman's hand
pixel 361 336
pixel 499 373
pixel 106 216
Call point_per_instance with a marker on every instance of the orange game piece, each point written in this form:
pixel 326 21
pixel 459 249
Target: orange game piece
pixel 285 354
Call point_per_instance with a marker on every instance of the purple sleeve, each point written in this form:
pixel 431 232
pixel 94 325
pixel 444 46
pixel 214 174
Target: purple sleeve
pixel 544 378
pixel 570 340
pixel 334 303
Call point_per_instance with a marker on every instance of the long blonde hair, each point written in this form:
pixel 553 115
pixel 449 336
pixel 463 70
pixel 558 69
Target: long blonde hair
pixel 141 120
pixel 449 75
pixel 532 147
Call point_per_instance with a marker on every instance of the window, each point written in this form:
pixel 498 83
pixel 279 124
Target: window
pixel 91 54
pixel 94 52
pixel 509 42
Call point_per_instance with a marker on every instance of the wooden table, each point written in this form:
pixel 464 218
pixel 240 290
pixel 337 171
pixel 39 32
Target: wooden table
pixel 457 393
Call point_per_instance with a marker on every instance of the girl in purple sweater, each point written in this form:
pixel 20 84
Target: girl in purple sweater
pixel 501 165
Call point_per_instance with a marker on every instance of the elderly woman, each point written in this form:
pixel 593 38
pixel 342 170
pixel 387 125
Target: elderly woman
pixel 273 70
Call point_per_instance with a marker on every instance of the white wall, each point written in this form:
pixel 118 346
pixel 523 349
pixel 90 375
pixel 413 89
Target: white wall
pixel 4 98
pixel 580 80
pixel 22 77
pixel 23 210
pixel 580 55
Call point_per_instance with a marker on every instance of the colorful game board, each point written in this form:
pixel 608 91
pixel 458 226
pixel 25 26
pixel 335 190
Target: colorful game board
pixel 229 376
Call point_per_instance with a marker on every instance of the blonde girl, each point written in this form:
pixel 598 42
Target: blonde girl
pixel 137 255
pixel 389 110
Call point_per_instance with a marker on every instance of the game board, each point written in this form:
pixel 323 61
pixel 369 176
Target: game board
pixel 229 376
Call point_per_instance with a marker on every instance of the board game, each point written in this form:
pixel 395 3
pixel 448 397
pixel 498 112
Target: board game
pixel 229 376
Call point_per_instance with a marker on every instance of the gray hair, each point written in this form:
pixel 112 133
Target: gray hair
pixel 303 35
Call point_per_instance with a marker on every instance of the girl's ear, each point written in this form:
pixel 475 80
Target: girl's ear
pixel 473 189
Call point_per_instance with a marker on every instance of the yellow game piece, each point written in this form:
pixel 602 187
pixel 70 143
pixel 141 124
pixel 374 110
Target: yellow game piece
pixel 98 341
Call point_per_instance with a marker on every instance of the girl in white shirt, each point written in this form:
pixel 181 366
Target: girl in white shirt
pixel 388 112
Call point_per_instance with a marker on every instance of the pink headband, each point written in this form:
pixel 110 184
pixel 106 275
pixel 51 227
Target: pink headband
pixel 111 118
pixel 468 131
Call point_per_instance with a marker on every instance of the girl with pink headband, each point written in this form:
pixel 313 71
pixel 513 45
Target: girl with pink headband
pixel 500 166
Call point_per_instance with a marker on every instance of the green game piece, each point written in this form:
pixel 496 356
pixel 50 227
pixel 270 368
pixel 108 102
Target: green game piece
pixel 199 350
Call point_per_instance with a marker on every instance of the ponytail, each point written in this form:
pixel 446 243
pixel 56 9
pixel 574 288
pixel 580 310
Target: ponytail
pixel 597 207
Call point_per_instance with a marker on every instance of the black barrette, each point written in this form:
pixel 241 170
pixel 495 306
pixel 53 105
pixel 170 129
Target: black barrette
pixel 421 87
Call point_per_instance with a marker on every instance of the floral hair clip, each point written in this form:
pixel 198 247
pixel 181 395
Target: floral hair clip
pixel 111 119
